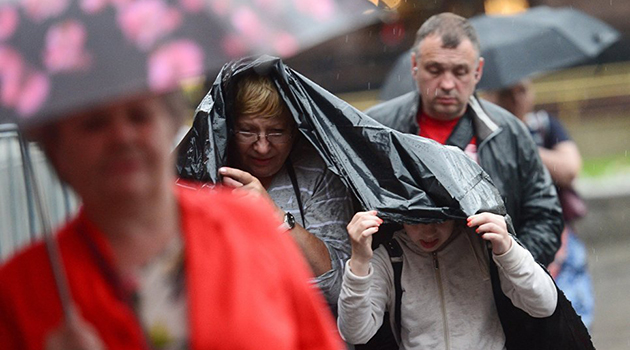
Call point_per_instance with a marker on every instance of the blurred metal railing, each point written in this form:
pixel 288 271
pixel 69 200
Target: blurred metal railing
pixel 20 221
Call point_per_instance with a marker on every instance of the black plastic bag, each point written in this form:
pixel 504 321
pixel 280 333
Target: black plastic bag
pixel 406 178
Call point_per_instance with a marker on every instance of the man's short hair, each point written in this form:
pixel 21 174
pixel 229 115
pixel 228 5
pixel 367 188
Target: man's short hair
pixel 257 95
pixel 452 29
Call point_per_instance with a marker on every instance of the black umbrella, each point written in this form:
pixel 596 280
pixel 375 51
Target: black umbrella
pixel 399 80
pixel 538 40
pixel 405 177
pixel 514 47
pixel 60 55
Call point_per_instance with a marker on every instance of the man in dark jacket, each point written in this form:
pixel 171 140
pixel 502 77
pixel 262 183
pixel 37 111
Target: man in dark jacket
pixel 447 67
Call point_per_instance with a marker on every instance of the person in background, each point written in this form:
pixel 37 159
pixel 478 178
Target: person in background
pixel 270 158
pixel 447 67
pixel 562 158
pixel 447 289
pixel 150 264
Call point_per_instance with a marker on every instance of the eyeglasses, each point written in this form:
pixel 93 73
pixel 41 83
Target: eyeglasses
pixel 274 138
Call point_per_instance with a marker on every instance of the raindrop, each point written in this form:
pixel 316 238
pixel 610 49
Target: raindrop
pixel 337 76
pixel 347 38
pixel 369 85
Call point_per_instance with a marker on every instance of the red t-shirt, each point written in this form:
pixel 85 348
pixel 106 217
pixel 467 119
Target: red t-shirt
pixel 439 130
pixel 247 284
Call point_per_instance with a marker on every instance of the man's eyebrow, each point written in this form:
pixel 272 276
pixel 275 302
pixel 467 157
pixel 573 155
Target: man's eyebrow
pixel 432 63
pixel 448 66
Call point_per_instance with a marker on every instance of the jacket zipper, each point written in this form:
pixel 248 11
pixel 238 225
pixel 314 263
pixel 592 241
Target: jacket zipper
pixel 436 266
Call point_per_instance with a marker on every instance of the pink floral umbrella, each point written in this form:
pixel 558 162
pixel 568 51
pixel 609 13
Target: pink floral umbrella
pixel 60 55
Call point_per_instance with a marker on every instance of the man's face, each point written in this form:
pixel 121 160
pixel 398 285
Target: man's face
pixel 430 237
pixel 119 151
pixel 446 77
pixel 262 158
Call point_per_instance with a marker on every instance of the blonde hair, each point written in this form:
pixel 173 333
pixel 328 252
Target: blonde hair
pixel 256 95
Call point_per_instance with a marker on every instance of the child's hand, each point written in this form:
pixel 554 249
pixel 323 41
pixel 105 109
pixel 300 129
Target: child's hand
pixel 363 225
pixel 492 228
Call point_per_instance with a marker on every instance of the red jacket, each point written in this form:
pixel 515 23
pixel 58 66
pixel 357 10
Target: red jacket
pixel 246 284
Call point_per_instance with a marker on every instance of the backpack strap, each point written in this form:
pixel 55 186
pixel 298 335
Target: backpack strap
pixel 395 257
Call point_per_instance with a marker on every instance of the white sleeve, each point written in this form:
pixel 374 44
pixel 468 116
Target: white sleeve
pixel 525 282
pixel 363 300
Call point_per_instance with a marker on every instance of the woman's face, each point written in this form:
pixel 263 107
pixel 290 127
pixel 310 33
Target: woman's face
pixel 263 158
pixel 430 237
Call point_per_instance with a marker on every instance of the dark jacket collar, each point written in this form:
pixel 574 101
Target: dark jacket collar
pixel 485 125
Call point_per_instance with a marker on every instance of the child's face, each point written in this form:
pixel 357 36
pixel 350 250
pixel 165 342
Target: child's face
pixel 430 237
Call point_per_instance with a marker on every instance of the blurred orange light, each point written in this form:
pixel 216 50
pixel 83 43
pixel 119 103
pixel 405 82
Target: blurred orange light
pixel 505 7
pixel 390 4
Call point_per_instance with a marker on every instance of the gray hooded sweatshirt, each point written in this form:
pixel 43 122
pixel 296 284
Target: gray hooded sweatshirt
pixel 447 301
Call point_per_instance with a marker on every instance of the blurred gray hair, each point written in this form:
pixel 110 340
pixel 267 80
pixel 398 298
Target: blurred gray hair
pixel 452 29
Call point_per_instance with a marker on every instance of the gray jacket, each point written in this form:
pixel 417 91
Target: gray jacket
pixel 508 154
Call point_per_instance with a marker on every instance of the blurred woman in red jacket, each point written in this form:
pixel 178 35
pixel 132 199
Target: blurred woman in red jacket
pixel 153 265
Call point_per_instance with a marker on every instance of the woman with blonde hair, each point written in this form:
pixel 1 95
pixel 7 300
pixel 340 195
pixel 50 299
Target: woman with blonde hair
pixel 269 158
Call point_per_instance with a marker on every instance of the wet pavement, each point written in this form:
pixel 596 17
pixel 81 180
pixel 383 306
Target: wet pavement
pixel 609 262
pixel 605 233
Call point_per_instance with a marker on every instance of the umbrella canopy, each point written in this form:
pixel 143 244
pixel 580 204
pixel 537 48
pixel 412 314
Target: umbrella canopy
pixel 514 47
pixel 57 56
pixel 538 40
pixel 405 177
